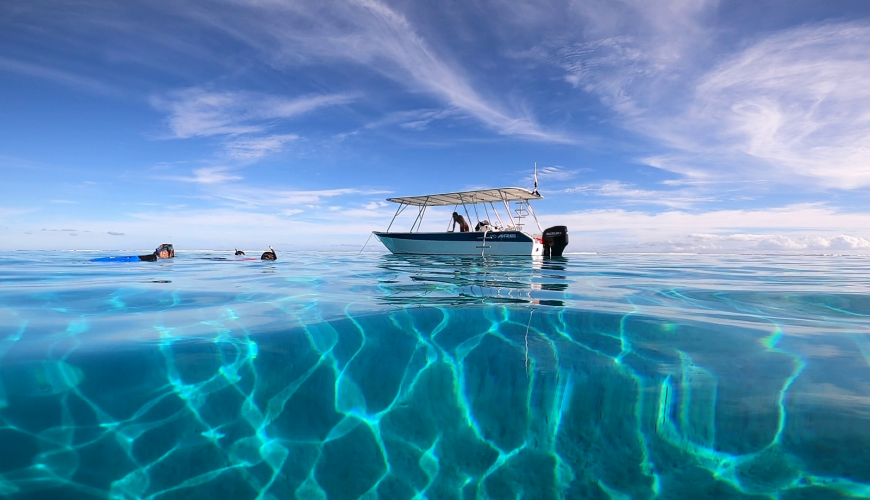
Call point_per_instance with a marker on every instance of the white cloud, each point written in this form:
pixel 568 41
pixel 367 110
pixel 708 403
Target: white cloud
pixel 196 112
pixel 376 204
pixel 628 194
pixel 678 230
pixel 551 173
pixel 249 148
pixel 56 76
pixel 255 198
pixel 421 119
pixel 798 100
pixel 791 106
pixel 12 211
pixel 206 175
pixel 558 173
pixel 774 242
pixel 368 33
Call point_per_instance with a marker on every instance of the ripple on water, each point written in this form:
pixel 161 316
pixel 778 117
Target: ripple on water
pixel 443 378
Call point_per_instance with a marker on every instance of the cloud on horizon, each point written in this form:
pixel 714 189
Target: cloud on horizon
pixel 809 224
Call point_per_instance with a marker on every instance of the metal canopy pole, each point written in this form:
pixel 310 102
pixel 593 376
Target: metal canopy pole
pixel 497 216
pixel 421 218
pixel 419 213
pixel 532 211
pixel 399 210
pixel 508 208
pixel 474 206
pixel 466 209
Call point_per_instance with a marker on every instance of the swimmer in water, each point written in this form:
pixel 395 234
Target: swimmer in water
pixel 270 255
pixel 239 252
pixel 164 251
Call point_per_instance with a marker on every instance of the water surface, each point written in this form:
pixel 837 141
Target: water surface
pixel 377 376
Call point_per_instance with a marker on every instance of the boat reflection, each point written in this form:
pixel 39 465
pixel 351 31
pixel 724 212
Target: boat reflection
pixel 451 280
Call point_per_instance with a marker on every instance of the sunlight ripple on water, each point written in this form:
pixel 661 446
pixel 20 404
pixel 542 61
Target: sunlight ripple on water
pixel 378 376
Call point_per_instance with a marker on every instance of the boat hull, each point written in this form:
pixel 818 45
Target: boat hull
pixel 471 243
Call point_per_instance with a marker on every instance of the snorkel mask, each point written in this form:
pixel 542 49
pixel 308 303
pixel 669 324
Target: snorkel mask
pixel 165 248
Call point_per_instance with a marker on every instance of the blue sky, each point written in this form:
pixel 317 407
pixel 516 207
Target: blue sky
pixel 663 125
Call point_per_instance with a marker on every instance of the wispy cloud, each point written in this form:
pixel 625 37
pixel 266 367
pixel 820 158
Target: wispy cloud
pixel 114 233
pixel 249 198
pixel 628 194
pixel 63 202
pixel 798 100
pixel 251 148
pixel 12 211
pixel 56 75
pixel 206 175
pixel 791 106
pixel 555 173
pixel 197 112
pixel 420 120
pixel 370 34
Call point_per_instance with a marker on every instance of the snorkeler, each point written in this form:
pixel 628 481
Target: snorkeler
pixel 164 251
pixel 239 252
pixel 270 255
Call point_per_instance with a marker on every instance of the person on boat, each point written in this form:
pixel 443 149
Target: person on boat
pixel 270 255
pixel 482 225
pixel 463 226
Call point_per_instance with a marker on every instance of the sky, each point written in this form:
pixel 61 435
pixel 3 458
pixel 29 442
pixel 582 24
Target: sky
pixel 656 125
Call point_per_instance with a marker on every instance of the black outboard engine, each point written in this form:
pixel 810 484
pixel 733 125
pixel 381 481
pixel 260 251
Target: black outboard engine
pixel 555 240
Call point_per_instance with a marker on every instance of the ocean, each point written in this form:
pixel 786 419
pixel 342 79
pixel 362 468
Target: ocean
pixel 375 376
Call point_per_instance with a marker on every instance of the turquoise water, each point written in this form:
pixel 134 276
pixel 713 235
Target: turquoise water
pixel 378 376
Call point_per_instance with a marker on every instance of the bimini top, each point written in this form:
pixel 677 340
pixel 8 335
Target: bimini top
pixel 479 196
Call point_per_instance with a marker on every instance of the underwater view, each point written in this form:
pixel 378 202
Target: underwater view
pixel 339 377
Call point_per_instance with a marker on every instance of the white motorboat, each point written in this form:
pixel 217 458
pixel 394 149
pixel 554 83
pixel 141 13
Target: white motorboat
pixel 491 235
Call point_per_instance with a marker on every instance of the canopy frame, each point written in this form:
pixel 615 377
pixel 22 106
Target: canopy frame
pixel 505 194
pixel 464 198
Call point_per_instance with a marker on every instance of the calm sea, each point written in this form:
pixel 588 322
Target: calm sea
pixel 336 376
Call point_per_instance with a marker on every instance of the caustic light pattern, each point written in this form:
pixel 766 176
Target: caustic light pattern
pixel 436 402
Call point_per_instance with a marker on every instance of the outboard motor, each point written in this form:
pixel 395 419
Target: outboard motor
pixel 555 240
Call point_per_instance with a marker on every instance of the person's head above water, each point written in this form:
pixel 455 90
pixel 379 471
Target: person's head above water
pixel 239 252
pixel 270 255
pixel 165 251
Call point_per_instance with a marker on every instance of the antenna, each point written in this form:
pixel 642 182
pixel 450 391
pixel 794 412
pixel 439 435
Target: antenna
pixel 536 177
